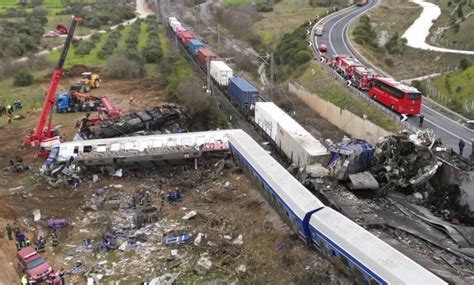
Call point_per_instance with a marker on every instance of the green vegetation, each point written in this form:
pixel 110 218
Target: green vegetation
pixel 319 82
pixel 110 44
pixel 18 38
pixel 152 51
pixel 100 13
pixel 85 47
pixel 23 79
pixel 292 51
pixel 391 54
pixel 364 34
pixel 126 65
pixel 286 16
pixel 455 90
pixel 235 2
pixel 133 34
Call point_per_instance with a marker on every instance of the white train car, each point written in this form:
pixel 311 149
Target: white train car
pixel 294 202
pixel 366 256
pixel 289 136
pixel 141 148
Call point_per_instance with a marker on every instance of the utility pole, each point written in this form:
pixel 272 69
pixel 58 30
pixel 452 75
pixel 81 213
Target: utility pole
pixel 208 64
pixel 272 72
pixel 218 38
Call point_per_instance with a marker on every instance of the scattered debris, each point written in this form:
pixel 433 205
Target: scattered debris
pixel 203 265
pixel 239 240
pixel 189 215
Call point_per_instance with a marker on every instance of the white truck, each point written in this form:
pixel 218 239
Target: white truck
pixel 319 30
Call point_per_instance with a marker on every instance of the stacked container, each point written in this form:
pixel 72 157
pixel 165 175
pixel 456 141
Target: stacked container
pixel 204 56
pixel 194 45
pixel 242 92
pixel 185 37
pixel 221 72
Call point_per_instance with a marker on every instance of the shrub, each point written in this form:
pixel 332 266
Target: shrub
pixel 23 78
pixel 389 62
pixel 464 64
pixel 125 65
pixel 84 48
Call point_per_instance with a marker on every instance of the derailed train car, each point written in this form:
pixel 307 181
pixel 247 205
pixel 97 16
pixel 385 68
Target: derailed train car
pixel 341 240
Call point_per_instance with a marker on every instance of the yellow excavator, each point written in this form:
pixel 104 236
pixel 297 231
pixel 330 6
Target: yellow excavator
pixel 89 80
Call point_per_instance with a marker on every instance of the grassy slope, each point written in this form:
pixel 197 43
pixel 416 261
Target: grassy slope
pixel 235 2
pixel 464 79
pixel 411 62
pixel 286 16
pixel 316 80
pixel 464 37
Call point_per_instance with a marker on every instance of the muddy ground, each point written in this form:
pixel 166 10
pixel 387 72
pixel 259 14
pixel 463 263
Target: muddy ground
pixel 227 206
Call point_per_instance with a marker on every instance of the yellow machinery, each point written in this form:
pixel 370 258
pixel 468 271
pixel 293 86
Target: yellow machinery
pixel 90 80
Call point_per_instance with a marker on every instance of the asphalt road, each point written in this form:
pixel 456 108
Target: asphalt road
pixel 335 37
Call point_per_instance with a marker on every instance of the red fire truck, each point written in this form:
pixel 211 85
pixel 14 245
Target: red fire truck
pixel 346 65
pixel 363 77
pixel 400 98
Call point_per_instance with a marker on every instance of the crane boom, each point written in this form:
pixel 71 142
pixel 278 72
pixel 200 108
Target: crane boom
pixel 40 133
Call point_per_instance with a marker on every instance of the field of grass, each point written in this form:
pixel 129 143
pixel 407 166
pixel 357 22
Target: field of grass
pixel 411 62
pixel 463 39
pixel 235 2
pixel 456 86
pixel 287 15
pixel 316 80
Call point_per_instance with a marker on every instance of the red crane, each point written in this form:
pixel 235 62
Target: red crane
pixel 41 133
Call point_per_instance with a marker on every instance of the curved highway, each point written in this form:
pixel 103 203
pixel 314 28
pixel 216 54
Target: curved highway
pixel 336 39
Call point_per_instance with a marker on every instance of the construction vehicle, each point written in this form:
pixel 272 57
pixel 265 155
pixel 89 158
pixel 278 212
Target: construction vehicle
pixel 43 134
pixel 74 101
pixel 60 30
pixel 89 80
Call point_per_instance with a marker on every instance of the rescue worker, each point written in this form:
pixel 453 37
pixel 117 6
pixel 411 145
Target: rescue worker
pixel 24 281
pixel 9 117
pixel 461 146
pixel 27 242
pixel 9 232
pixel 54 238
pixel 420 124
pixel 20 237
pixel 130 100
pixel 18 245
pixel 61 273
pixel 39 245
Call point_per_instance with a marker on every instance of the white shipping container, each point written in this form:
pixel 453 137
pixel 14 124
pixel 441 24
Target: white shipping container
pixel 171 19
pixel 292 139
pixel 174 25
pixel 221 72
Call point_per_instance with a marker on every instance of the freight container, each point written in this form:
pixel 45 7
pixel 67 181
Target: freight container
pixel 171 19
pixel 221 72
pixel 289 136
pixel 242 92
pixel 185 37
pixel 180 30
pixel 194 45
pixel 204 56
pixel 174 25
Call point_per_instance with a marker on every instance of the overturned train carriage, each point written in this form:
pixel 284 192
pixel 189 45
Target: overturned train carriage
pixel 155 119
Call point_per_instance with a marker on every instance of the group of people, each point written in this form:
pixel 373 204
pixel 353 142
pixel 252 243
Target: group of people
pixel 13 230
pixel 9 109
pixel 21 239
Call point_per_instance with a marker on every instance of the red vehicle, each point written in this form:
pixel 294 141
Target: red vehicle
pixel 346 65
pixel 363 77
pixel 33 264
pixel 323 48
pixel 185 37
pixel 400 98
pixel 361 2
pixel 204 56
